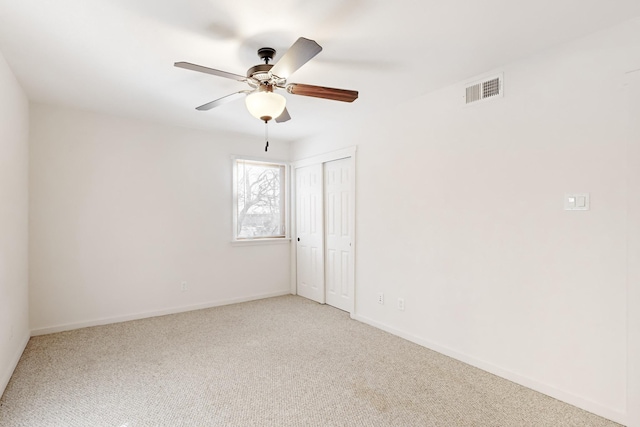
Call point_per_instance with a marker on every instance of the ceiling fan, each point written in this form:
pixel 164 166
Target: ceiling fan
pixel 261 99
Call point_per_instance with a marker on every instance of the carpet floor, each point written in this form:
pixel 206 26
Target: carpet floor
pixel 282 361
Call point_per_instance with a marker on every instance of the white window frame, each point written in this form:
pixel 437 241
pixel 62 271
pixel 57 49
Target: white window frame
pixel 286 238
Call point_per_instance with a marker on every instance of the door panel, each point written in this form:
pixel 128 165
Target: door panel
pixel 310 233
pixel 338 211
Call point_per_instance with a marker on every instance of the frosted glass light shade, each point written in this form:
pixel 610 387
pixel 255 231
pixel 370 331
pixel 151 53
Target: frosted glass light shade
pixel 265 105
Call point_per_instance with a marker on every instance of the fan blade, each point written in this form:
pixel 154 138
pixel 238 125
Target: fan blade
pixel 297 55
pixel 284 117
pixel 323 92
pixel 223 100
pixel 201 69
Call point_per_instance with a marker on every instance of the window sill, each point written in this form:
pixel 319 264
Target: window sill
pixel 260 242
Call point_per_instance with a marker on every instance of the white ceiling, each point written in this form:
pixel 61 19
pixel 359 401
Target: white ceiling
pixel 116 56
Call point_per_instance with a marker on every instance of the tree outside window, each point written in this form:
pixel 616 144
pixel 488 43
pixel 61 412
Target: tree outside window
pixel 259 191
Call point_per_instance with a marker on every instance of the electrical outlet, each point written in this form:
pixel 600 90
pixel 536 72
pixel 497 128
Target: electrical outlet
pixel 381 298
pixel 183 286
pixel 401 304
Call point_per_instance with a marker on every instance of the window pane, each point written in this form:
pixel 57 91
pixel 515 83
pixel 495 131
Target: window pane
pixel 260 201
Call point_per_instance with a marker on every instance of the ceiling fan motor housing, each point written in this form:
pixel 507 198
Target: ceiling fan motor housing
pixel 260 72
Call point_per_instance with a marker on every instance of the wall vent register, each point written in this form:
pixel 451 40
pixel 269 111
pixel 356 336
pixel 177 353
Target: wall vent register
pixel 484 89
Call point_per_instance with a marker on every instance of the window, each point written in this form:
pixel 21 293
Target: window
pixel 259 205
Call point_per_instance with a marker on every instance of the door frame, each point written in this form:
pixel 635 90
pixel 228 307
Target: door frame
pixel 346 153
pixel 633 250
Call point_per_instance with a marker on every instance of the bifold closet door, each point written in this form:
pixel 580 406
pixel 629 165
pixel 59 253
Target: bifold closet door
pixel 338 202
pixel 310 233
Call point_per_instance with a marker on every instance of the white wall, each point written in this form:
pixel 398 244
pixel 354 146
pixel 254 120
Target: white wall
pixel 123 211
pixel 14 202
pixel 460 212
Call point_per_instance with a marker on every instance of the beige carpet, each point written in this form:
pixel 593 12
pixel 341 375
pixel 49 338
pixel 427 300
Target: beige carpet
pixel 277 362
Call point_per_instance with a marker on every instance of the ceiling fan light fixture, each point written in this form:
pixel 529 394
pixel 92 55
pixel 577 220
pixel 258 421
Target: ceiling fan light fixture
pixel 265 105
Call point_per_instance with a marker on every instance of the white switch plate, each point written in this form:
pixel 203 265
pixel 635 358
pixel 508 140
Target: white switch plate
pixel 576 202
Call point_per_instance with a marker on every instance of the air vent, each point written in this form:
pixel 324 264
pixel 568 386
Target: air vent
pixel 484 89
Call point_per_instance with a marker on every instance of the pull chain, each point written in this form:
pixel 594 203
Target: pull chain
pixel 266 134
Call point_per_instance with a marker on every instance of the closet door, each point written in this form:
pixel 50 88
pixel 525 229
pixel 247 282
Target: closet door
pixel 310 233
pixel 339 255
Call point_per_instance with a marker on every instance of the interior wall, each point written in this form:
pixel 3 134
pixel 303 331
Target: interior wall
pixel 460 212
pixel 123 211
pixel 14 138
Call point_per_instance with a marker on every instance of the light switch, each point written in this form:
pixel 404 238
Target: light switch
pixel 576 202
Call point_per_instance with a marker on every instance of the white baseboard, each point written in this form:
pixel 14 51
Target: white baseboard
pixel 570 398
pixel 6 376
pixel 146 314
